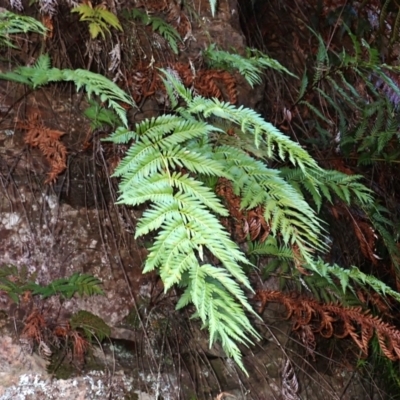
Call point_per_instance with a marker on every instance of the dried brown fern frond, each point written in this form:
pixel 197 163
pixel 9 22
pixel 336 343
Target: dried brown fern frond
pixel 335 320
pixel 38 330
pixel 212 83
pixel 242 223
pixel 48 142
pixel 208 83
pixel 143 81
pixel 34 326
pixel 80 346
pixel 366 238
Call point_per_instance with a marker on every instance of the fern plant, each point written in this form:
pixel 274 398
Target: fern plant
pixel 91 325
pixel 14 282
pixel 98 17
pixel 166 30
pixel 100 116
pixel 361 95
pixel 83 284
pixel 41 73
pixel 355 83
pixel 11 24
pixel 251 67
pixel 165 167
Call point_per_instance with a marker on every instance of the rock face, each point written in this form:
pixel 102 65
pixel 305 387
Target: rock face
pixel 23 376
pixel 73 226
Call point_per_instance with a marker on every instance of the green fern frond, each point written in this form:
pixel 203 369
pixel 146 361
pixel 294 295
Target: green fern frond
pixel 156 188
pixel 270 248
pixel 11 24
pixel 303 86
pixel 250 67
pixel 348 92
pixel 41 74
pixel 327 182
pixel 175 88
pixel 100 116
pixel 140 161
pixel 284 207
pixel 354 274
pixel 216 306
pixel 166 30
pixel 322 59
pixel 121 135
pixel 83 284
pixel 196 189
pixel 383 223
pixel 164 166
pixel 154 217
pixel 91 325
pixel 317 112
pixel 98 84
pixel 252 123
pixel 100 20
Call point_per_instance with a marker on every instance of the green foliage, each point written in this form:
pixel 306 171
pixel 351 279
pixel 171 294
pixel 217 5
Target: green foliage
pixel 362 98
pixel 91 325
pixel 41 73
pixel 250 67
pixel 359 85
pixel 385 225
pixel 100 20
pixel 164 167
pixel 11 24
pixel 324 282
pixel 14 282
pixel 82 284
pixel 168 32
pixel 345 276
pixel 323 183
pixel 100 116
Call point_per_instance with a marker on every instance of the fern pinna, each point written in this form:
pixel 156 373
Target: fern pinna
pixel 165 166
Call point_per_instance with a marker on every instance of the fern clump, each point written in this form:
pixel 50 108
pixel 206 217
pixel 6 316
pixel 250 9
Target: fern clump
pixel 166 165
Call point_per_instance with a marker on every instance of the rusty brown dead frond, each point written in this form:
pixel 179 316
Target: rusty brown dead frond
pixel 80 346
pixel 208 83
pixel 34 326
pixel 62 331
pixel 242 223
pixel 48 142
pixel 143 81
pixel 366 238
pixel 335 320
